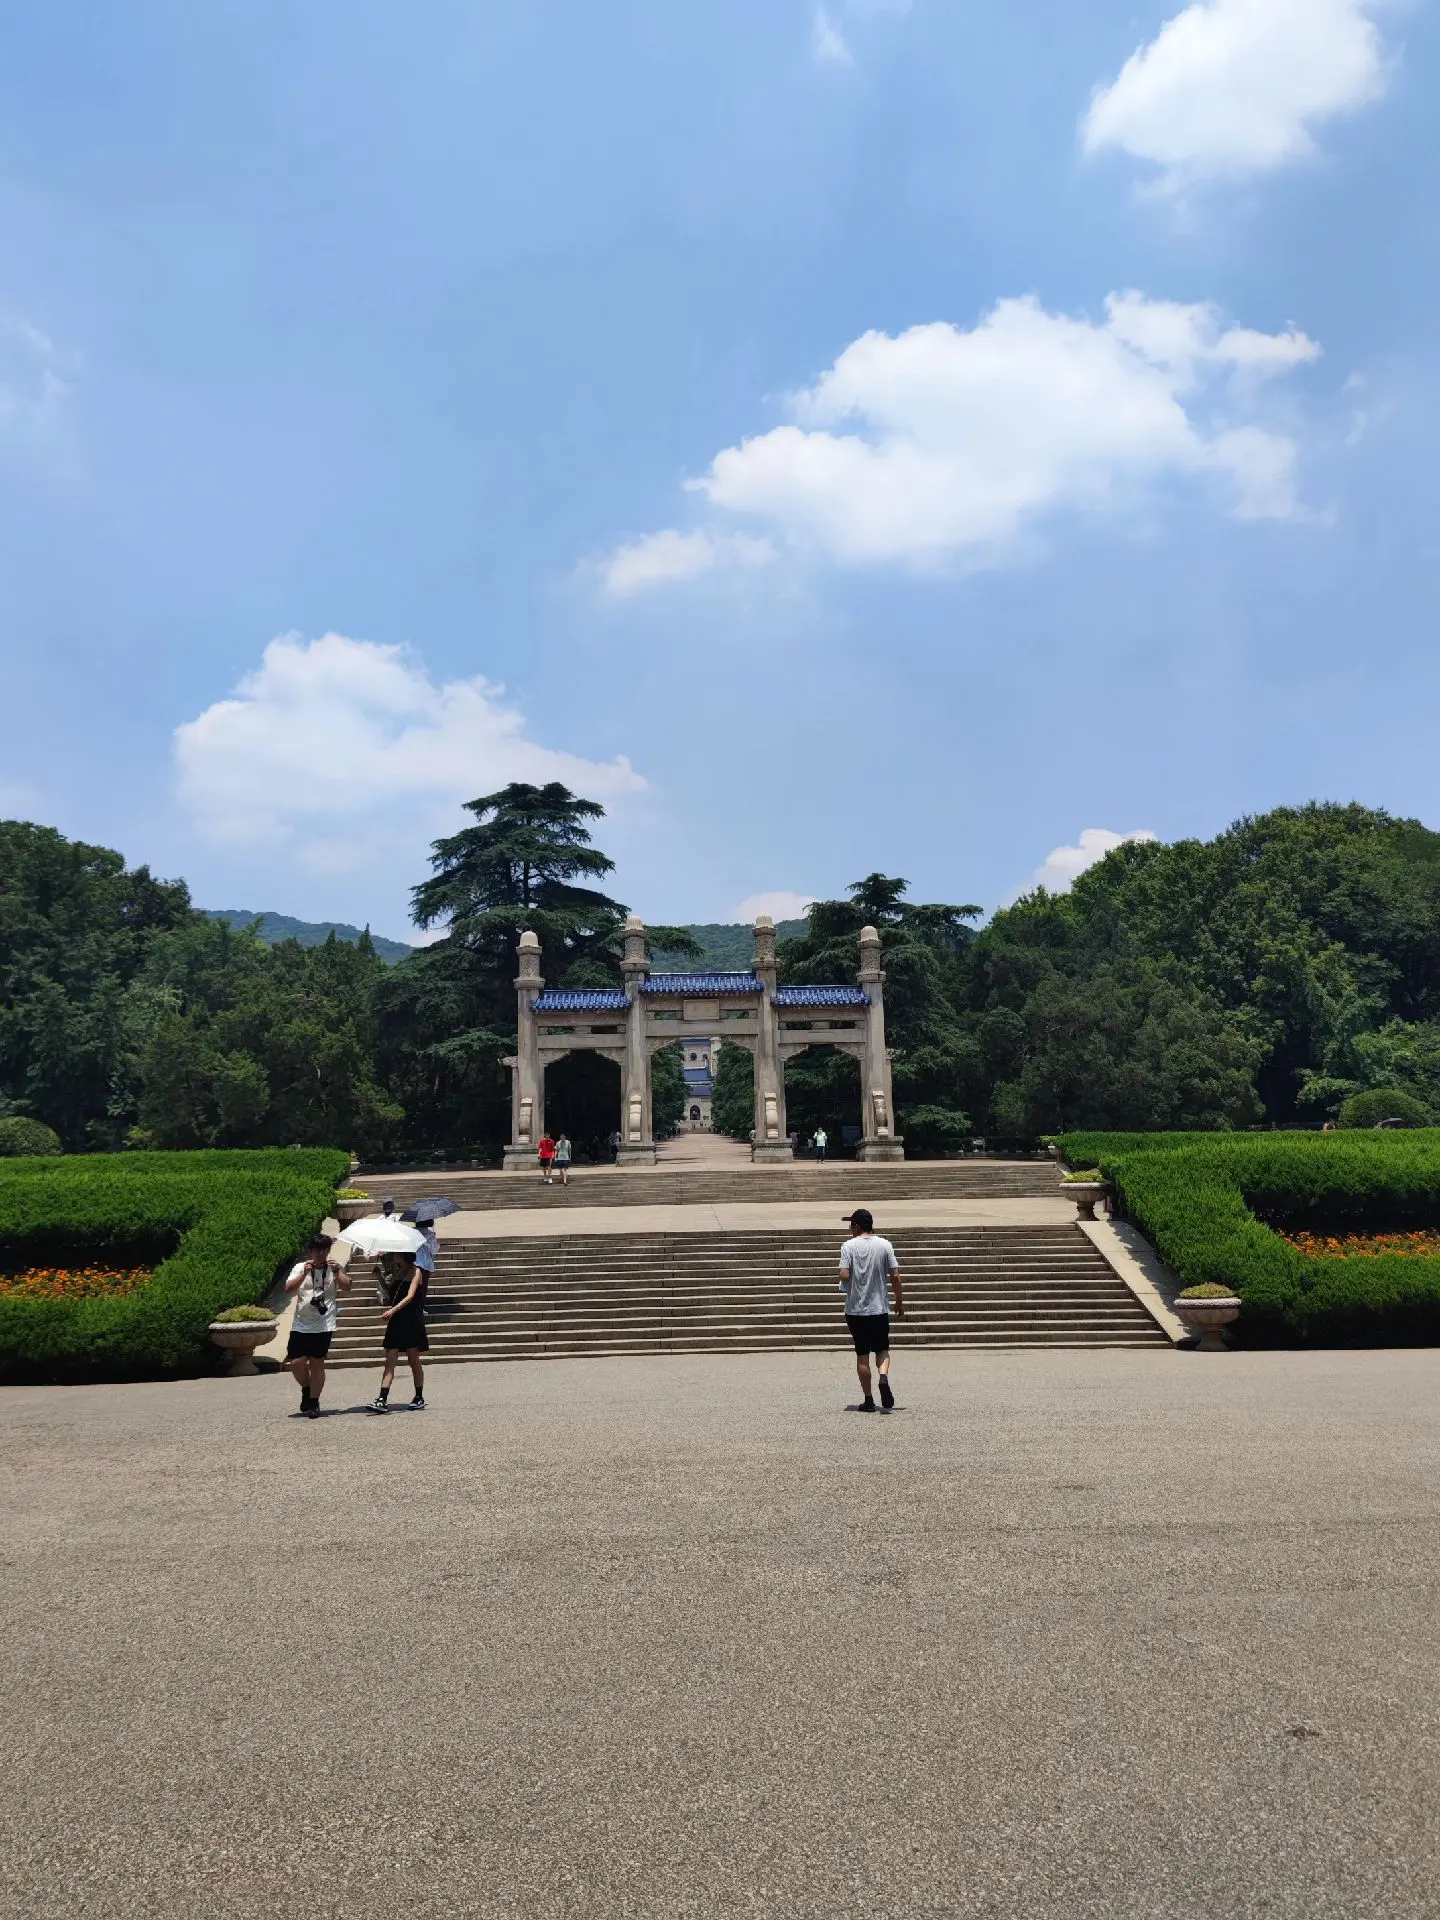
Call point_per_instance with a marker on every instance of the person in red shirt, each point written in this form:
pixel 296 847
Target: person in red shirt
pixel 547 1158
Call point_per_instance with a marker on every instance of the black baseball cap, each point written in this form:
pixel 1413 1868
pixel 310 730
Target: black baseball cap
pixel 861 1218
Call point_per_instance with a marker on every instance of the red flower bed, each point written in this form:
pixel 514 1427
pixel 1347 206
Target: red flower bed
pixel 1353 1246
pixel 72 1283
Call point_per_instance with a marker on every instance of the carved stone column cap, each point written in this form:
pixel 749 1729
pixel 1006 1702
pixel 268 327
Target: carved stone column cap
pixel 634 924
pixel 870 954
pixel 529 956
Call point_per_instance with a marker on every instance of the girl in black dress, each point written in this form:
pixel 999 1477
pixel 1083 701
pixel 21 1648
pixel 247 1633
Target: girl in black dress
pixel 404 1322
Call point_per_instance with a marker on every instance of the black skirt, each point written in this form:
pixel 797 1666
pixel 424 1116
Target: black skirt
pixel 406 1329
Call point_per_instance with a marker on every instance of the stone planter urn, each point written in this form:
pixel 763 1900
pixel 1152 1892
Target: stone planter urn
pixel 1208 1318
pixel 240 1338
pixel 1085 1193
pixel 347 1212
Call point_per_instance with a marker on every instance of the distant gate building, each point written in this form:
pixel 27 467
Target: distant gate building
pixel 630 1024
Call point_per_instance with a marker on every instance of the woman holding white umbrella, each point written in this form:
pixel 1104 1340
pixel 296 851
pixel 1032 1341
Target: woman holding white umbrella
pixel 405 1285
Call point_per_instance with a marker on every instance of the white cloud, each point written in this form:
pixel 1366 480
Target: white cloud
pixel 1064 865
pixel 828 43
pixel 341 752
pixel 663 559
pixel 33 389
pixel 782 905
pixel 1230 87
pixel 943 441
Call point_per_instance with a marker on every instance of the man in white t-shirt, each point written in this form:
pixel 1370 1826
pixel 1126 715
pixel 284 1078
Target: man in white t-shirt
pixel 868 1270
pixel 317 1281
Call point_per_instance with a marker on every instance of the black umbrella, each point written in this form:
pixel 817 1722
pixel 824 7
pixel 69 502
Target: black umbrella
pixel 435 1209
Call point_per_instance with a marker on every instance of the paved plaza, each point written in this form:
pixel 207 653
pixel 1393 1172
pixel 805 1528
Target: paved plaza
pixel 1072 1633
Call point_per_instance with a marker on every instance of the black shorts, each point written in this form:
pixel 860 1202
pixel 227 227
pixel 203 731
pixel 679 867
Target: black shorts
pixel 870 1332
pixel 404 1330
pixel 308 1346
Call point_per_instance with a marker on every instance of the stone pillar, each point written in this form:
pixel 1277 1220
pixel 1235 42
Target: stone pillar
pixel 527 1080
pixel 637 1127
pixel 879 1140
pixel 771 1142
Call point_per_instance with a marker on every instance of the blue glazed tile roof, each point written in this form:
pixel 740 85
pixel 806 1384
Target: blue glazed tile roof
pixel 698 983
pixel 584 1000
pixel 820 997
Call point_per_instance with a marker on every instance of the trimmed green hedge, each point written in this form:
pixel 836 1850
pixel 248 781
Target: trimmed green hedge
pixel 219 1224
pixel 1204 1199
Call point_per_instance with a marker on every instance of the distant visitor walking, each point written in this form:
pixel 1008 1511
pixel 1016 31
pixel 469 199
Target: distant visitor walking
pixel 406 1285
pixel 868 1268
pixel 546 1151
pixel 821 1141
pixel 318 1281
pixel 562 1159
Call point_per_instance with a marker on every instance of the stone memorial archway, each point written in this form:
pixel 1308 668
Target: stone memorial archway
pixel 630 1024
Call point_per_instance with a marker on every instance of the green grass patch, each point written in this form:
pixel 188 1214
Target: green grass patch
pixel 215 1226
pixel 1212 1203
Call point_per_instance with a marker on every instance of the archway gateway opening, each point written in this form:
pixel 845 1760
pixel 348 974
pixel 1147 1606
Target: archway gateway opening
pixel 652 1012
pixel 582 1098
pixel 822 1090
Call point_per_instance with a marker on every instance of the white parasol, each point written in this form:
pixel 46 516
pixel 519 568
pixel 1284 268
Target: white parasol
pixel 376 1234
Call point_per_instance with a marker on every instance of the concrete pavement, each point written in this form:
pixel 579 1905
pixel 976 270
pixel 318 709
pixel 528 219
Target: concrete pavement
pixel 1100 1636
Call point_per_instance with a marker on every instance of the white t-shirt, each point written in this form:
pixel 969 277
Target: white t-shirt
pixel 866 1264
pixel 317 1305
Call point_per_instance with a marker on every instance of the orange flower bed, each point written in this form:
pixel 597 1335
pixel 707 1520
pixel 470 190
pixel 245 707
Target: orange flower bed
pixel 72 1283
pixel 1362 1246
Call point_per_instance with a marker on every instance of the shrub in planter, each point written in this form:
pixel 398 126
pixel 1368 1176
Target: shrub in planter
pixel 236 1316
pixel 21 1137
pixel 1384 1103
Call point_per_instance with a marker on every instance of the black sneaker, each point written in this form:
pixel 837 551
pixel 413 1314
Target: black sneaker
pixel 377 1405
pixel 313 1410
pixel 418 1403
pixel 867 1405
pixel 887 1398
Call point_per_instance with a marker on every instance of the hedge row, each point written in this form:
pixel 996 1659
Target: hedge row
pixel 219 1225
pixel 1205 1201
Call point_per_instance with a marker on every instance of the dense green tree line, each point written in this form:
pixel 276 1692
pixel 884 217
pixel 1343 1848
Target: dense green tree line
pixel 129 1018
pixel 1261 977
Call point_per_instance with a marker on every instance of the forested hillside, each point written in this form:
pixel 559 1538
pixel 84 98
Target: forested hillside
pixel 275 927
pixel 1261 977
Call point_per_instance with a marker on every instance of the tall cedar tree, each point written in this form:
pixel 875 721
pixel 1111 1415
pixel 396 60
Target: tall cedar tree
pixel 447 1016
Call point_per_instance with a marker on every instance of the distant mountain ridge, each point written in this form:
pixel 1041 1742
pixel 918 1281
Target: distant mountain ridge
pixel 275 927
pixel 727 948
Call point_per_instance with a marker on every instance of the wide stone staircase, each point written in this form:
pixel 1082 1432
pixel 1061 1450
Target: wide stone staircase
pixel 537 1297
pixel 976 1179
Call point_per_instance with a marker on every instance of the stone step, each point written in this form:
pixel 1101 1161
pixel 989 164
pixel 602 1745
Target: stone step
pixel 1019 1336
pixel 521 1297
pixel 610 1187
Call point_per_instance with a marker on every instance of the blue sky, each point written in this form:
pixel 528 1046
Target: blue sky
pixel 837 438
